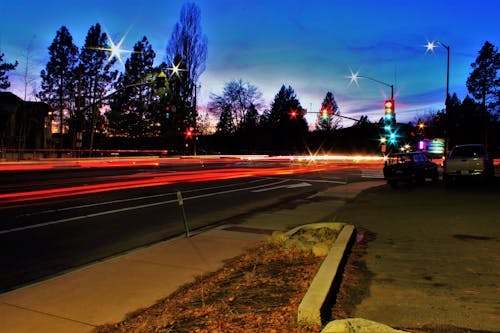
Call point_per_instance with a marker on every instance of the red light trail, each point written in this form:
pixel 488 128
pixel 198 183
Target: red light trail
pixel 155 179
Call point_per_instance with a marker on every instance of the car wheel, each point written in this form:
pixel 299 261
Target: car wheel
pixel 435 177
pixel 447 180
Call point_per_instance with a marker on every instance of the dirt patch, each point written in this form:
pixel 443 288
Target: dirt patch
pixel 356 278
pixel 472 237
pixel 259 291
pixel 355 286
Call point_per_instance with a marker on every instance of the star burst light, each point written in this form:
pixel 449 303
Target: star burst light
pixel 115 50
pixel 175 69
pixel 430 46
pixel 354 78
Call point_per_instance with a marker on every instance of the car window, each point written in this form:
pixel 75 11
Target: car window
pixel 399 159
pixel 420 158
pixel 468 151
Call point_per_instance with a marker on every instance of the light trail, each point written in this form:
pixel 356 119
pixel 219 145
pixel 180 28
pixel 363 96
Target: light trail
pixel 125 209
pixel 154 161
pixel 155 179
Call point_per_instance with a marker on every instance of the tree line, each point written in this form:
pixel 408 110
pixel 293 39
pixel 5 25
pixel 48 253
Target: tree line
pixel 92 100
pixel 475 119
pixel 149 106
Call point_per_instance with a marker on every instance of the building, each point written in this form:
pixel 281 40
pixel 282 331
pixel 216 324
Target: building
pixel 24 126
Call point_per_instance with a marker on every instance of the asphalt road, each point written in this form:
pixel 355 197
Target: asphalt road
pixel 43 237
pixel 434 262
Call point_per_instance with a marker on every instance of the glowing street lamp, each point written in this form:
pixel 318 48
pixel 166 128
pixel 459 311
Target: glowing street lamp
pixel 389 114
pixel 355 76
pixel 115 49
pixel 175 69
pixel 430 47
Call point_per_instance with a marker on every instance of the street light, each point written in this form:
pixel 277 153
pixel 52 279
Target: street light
pixel 430 47
pixel 355 76
pixel 390 126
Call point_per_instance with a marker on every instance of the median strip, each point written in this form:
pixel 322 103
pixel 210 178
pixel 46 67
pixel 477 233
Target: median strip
pixel 319 295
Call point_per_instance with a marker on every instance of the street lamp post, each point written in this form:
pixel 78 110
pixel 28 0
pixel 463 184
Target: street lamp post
pixel 355 76
pixel 380 82
pixel 430 47
pixel 389 117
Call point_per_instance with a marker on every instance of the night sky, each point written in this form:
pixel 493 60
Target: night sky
pixel 311 45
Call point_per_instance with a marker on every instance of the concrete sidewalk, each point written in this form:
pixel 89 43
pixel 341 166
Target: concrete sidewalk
pixel 106 291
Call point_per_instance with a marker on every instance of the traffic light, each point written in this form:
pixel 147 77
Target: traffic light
pixel 191 134
pixel 160 80
pixel 167 112
pixel 393 138
pixel 293 113
pixel 324 115
pixel 389 108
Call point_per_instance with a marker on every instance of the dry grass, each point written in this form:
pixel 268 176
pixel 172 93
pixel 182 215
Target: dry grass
pixel 259 291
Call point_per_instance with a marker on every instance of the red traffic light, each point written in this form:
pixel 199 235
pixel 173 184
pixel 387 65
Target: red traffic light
pixel 293 113
pixel 389 106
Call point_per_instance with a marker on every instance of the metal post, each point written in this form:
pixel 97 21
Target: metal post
pixel 181 204
pixel 447 123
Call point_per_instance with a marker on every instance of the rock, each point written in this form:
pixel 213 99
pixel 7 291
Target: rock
pixel 358 325
pixel 321 249
pixel 278 237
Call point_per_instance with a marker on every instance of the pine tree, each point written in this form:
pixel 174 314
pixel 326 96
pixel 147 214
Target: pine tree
pixel 58 80
pixel 4 68
pixel 483 82
pixel 329 121
pixel 226 125
pixel 95 76
pixel 133 112
pixel 251 119
pixel 285 132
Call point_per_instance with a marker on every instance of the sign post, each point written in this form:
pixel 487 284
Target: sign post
pixel 180 200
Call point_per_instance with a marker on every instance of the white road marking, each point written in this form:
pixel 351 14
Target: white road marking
pixel 120 210
pixel 303 184
pixel 50 211
pixel 372 173
pixel 315 180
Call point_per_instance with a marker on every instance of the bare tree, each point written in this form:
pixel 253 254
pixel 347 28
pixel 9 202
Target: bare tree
pixel 236 101
pixel 185 57
pixel 28 77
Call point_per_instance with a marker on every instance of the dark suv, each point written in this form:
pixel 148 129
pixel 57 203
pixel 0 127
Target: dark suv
pixel 409 167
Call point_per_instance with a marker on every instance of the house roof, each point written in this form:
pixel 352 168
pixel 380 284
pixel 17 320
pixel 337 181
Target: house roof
pixel 8 98
pixel 9 102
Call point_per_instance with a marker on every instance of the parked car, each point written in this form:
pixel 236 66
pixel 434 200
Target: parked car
pixel 468 161
pixel 409 167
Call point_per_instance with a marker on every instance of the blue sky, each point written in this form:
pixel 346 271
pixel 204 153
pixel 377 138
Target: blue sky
pixel 310 45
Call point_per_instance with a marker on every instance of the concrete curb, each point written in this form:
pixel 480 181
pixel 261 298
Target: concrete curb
pixel 318 296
